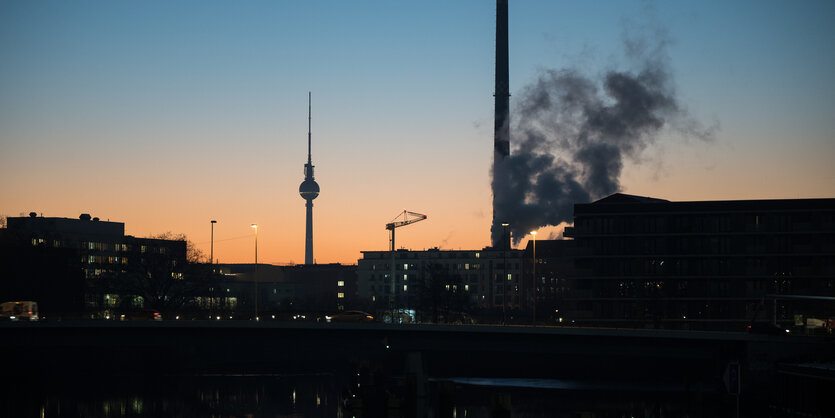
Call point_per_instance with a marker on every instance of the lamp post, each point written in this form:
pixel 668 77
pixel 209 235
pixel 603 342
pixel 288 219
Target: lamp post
pixel 255 226
pixel 505 246
pixel 533 288
pixel 212 251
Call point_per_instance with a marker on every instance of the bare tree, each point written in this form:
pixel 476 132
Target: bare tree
pixel 193 254
pixel 441 294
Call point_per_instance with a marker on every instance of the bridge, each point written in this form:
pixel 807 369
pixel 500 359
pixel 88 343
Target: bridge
pixel 686 361
pixel 446 350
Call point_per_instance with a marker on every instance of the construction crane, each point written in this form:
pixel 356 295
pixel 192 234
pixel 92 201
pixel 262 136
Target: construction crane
pixel 408 219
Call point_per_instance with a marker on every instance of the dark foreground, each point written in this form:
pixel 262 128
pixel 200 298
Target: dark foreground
pixel 292 369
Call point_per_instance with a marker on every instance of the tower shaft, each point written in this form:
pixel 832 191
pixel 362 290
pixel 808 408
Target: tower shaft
pixel 308 234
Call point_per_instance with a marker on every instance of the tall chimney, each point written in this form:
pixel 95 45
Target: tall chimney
pixel 502 93
pixel 501 141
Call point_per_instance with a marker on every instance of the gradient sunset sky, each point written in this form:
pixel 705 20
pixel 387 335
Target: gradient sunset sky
pixel 165 115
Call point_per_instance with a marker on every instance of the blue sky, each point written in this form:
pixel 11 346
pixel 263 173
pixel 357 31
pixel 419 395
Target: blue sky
pixel 165 114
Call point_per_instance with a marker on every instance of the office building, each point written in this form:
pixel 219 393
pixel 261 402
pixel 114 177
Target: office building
pixel 719 265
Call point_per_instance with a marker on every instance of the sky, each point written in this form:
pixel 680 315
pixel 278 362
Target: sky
pixel 166 115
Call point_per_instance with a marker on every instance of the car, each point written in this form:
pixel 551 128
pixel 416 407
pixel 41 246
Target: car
pixel 350 316
pixel 142 315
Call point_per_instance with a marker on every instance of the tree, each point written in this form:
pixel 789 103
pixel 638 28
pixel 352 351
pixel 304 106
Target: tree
pixel 441 294
pixel 162 278
pixel 193 254
pixel 157 280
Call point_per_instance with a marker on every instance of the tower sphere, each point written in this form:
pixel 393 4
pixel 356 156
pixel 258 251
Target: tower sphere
pixel 309 189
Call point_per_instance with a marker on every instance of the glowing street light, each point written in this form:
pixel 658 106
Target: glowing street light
pixel 255 226
pixel 533 288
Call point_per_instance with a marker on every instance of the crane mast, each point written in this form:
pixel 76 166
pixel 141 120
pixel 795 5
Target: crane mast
pixel 408 219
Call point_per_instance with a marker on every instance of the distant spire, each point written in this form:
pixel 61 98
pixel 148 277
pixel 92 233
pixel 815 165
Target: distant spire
pixel 308 127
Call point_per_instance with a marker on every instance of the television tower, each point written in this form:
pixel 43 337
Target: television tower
pixel 309 190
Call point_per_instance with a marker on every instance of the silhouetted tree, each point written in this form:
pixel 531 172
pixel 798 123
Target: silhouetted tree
pixel 158 280
pixel 441 294
pixel 165 281
pixel 193 254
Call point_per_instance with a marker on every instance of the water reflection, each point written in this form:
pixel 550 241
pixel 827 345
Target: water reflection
pixel 364 392
pixel 313 395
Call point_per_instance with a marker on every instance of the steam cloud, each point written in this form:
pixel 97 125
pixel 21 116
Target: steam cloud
pixel 571 138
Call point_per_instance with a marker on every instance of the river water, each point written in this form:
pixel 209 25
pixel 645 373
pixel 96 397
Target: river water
pixel 356 395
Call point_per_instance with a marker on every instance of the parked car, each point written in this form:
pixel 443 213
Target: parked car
pixel 142 315
pixel 350 316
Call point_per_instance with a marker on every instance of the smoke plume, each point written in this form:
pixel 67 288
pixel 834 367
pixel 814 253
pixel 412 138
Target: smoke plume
pixel 572 134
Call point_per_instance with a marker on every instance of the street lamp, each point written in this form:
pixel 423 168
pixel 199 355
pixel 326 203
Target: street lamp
pixel 533 289
pixel 505 246
pixel 212 251
pixel 255 226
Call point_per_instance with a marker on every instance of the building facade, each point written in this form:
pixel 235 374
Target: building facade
pixel 646 262
pixel 551 279
pixel 315 289
pixel 84 257
pixel 460 280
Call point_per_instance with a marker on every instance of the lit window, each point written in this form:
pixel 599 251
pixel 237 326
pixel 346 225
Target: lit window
pixel 405 277
pixel 467 287
pixel 340 295
pixel 405 287
pixel 405 267
pixel 477 255
pixel 509 276
pixel 467 266
pixel 340 283
pixel 373 298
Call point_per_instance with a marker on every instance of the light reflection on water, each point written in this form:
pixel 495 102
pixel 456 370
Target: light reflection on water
pixel 566 384
pixel 358 394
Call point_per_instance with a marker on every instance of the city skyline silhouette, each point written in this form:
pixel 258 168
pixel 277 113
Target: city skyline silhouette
pixel 166 117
